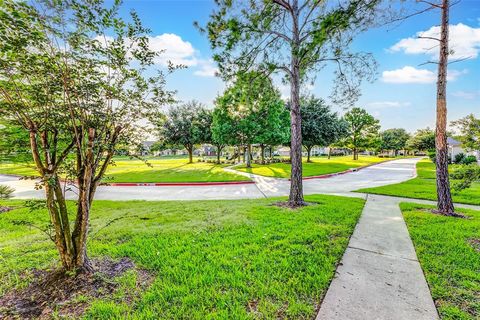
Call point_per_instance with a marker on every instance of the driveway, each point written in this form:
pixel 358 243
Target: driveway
pixel 377 175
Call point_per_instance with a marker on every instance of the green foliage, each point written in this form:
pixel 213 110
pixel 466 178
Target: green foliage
pixel 362 131
pixel 185 125
pixel 210 259
pixel 250 111
pixel 6 192
pixel 269 35
pixel 467 174
pixel 394 139
pixel 320 126
pixel 422 140
pixel 459 158
pixel 469 128
pixel 448 251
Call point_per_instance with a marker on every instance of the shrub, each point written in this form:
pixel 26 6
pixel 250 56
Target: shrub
pixel 469 160
pixel 6 192
pixel 432 155
pixel 459 157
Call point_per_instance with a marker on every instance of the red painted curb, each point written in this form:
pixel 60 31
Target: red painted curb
pixel 178 184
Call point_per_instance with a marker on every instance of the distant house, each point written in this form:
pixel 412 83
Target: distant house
pixel 455 147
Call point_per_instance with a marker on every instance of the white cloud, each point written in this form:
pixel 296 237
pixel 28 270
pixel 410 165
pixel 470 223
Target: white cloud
pixel 174 49
pixel 388 104
pixel 469 95
pixel 409 74
pixel 206 68
pixel 464 41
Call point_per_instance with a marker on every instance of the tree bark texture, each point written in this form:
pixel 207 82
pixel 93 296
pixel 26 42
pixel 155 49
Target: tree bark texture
pixel 444 197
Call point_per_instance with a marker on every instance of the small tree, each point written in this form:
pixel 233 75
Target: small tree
pixel 74 91
pixel 249 111
pixel 320 126
pixel 183 126
pixel 422 140
pixel 394 139
pixel 469 129
pixel 362 130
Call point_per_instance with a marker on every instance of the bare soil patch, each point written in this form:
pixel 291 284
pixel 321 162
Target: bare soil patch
pixel 475 243
pixel 5 209
pixel 56 290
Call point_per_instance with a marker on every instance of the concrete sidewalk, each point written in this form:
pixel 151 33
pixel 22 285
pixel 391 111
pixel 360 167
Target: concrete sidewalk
pixel 379 276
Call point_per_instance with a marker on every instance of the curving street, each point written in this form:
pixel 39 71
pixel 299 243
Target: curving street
pixel 377 175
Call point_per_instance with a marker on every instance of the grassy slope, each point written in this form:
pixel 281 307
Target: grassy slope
pixel 211 258
pixel 320 165
pixel 450 262
pixel 161 170
pixel 424 187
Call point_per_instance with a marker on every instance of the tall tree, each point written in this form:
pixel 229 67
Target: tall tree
pixel 295 38
pixel 362 130
pixel 394 139
pixel 320 126
pixel 444 197
pixel 183 126
pixel 75 92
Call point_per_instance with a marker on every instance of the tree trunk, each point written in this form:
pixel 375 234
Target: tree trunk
pixel 444 202
pixel 262 152
pixel 354 153
pixel 309 150
pixel 296 184
pixel 219 150
pixel 248 155
pixel 329 152
pixel 190 154
pixel 271 152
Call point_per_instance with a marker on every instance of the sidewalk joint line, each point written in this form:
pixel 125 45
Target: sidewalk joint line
pixel 383 254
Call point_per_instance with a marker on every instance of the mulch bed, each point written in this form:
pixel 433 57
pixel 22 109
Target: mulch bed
pixel 56 290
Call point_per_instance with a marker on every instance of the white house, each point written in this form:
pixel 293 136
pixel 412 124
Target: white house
pixel 455 147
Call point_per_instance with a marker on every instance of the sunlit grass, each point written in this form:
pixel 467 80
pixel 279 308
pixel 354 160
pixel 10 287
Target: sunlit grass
pixel 211 259
pixel 157 170
pixel 448 250
pixel 425 187
pixel 318 166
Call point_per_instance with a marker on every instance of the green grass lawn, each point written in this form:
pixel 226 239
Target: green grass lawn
pixel 449 251
pixel 424 187
pixel 318 166
pixel 211 259
pixel 161 170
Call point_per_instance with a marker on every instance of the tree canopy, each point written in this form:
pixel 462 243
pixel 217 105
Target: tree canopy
pixel 394 139
pixel 362 130
pixel 320 126
pixel 422 140
pixel 73 77
pixel 186 125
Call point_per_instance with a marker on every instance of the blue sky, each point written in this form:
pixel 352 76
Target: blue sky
pixel 403 95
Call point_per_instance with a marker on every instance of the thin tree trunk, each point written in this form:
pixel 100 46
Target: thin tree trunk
pixel 329 152
pixel 444 202
pixel 219 150
pixel 296 184
pixel 248 155
pixel 190 154
pixel 309 150
pixel 262 152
